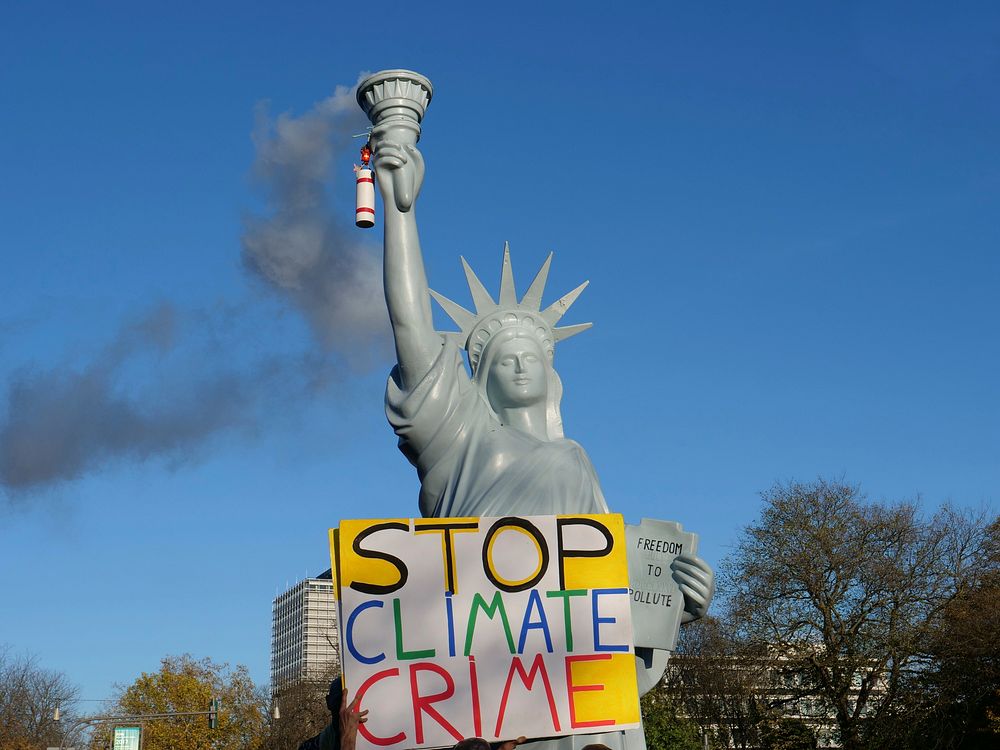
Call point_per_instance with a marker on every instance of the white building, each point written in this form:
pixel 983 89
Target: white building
pixel 304 637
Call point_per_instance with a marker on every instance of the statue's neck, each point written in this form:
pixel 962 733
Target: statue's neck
pixel 529 419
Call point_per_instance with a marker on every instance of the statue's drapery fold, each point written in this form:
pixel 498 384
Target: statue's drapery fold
pixel 470 464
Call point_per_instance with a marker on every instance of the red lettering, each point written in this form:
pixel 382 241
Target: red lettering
pixel 421 704
pixel 571 689
pixel 363 728
pixel 477 719
pixel 528 678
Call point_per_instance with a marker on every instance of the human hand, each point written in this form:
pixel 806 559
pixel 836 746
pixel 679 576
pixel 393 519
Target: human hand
pixel 697 583
pixel 399 167
pixel 511 744
pixel 350 720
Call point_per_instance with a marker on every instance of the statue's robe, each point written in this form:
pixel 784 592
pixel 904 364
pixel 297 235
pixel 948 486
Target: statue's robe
pixel 470 464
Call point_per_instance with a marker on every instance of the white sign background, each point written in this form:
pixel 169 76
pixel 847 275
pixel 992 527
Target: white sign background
pixel 371 640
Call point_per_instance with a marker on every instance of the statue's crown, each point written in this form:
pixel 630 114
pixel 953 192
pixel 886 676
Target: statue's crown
pixel 491 317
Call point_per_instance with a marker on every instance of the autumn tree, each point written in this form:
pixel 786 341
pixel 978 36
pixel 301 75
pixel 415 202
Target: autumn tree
pixel 184 684
pixel 29 696
pixel 846 592
pixel 953 701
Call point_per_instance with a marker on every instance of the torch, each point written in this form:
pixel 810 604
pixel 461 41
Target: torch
pixel 395 101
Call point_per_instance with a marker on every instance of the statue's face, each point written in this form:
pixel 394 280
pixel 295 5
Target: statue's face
pixel 517 375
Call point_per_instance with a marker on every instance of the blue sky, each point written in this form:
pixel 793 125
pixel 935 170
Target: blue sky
pixel 787 211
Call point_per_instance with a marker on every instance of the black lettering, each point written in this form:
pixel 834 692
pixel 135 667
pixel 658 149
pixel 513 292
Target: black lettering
pixel 375 588
pixel 449 562
pixel 654 598
pixel 609 543
pixel 660 545
pixel 531 529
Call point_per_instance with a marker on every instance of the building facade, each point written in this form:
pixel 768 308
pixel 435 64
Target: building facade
pixel 304 635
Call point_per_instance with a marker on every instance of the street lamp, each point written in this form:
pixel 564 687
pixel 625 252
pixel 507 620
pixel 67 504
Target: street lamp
pixel 57 718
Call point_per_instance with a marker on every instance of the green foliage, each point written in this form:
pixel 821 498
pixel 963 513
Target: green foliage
pixel 664 727
pixel 787 734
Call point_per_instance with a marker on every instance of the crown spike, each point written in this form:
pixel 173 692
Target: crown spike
pixel 482 299
pixel 533 297
pixel 458 338
pixel 561 334
pixel 557 309
pixel 465 319
pixel 491 317
pixel 508 297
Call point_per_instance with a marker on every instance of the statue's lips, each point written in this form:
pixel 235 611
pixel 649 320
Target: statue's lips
pixel 522 381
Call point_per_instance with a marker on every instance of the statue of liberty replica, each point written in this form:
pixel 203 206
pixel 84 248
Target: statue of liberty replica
pixel 486 435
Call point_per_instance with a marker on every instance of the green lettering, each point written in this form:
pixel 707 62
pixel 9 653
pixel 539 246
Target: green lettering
pixel 497 605
pixel 566 614
pixel 400 653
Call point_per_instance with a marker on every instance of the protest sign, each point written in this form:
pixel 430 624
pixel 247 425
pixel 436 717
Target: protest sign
pixel 657 600
pixel 485 627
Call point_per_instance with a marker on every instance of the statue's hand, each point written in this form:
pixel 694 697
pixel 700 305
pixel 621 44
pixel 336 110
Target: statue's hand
pixel 400 172
pixel 697 583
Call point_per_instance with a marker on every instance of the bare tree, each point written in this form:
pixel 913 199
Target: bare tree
pixel 723 683
pixel 847 593
pixel 304 712
pixel 29 696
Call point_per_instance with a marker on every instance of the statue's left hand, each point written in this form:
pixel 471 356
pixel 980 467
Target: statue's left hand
pixel 697 582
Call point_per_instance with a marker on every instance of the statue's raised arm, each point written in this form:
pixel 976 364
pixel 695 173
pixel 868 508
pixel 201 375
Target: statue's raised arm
pixel 486 439
pixel 396 101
